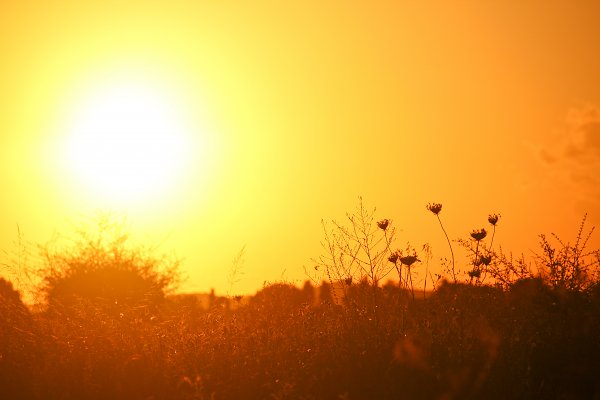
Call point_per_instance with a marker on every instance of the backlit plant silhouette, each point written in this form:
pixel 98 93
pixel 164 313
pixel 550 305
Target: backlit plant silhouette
pixel 520 338
pixel 493 220
pixel 405 259
pixel 101 269
pixel 359 250
pixel 569 266
pixel 436 208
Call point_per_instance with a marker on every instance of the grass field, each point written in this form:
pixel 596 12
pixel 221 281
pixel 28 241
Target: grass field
pixel 111 327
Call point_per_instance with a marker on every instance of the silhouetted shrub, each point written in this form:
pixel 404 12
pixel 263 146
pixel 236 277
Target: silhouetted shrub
pixel 103 274
pixel 101 321
pixel 278 298
pixel 569 266
pixel 18 343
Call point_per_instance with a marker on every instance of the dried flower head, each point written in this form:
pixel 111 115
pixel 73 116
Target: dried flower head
pixel 348 281
pixel 485 260
pixel 475 273
pixel 393 257
pixel 479 234
pixel 409 260
pixel 434 208
pixel 383 224
pixel 493 219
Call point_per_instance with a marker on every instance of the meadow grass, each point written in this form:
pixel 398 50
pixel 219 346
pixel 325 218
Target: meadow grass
pixel 509 331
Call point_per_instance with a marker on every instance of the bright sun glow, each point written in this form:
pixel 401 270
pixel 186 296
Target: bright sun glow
pixel 127 142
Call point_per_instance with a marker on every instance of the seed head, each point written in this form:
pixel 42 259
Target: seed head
pixel 479 234
pixel 409 260
pixel 348 281
pixel 493 219
pixel 475 273
pixel 434 208
pixel 383 224
pixel 393 257
pixel 485 260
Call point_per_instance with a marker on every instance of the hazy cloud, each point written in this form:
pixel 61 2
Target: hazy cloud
pixel 592 134
pixel 583 133
pixel 577 144
pixel 571 156
pixel 547 157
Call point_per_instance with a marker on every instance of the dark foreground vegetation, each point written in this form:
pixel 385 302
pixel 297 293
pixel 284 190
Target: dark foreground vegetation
pixel 462 342
pixel 110 329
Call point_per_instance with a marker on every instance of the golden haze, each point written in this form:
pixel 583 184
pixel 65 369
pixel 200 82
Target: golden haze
pixel 294 109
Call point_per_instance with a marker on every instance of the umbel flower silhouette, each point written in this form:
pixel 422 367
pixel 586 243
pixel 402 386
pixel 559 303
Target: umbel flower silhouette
pixel 479 234
pixel 436 208
pixel 409 260
pixel 383 224
pixel 485 260
pixel 475 273
pixel 493 219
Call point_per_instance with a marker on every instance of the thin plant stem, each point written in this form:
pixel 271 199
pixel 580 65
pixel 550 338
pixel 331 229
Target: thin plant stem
pixel 450 245
pixel 492 241
pixel 475 266
pixel 426 271
pixel 399 270
pixel 489 252
pixel 412 288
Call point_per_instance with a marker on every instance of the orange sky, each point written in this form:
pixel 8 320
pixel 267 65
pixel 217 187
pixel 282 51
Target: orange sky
pixel 298 108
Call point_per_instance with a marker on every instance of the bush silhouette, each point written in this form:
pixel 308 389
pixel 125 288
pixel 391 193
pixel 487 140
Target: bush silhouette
pixel 104 274
pixel 101 336
pixel 278 297
pixel 17 344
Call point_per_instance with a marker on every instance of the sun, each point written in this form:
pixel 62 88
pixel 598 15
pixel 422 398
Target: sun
pixel 127 142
